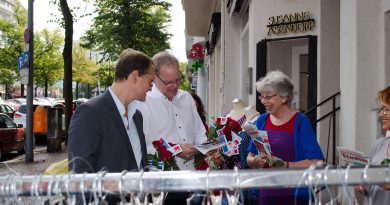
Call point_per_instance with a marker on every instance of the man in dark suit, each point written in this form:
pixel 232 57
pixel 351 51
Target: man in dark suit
pixel 106 133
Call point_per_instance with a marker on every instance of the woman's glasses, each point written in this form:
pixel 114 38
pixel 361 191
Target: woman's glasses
pixel 384 110
pixel 266 97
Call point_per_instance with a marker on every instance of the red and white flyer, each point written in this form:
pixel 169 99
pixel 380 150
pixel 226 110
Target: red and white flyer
pixel 348 156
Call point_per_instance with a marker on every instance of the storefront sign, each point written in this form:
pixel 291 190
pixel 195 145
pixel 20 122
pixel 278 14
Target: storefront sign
pixel 290 23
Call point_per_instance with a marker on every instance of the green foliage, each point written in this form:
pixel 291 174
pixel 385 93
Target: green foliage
pixel 385 161
pixel 128 24
pixel 48 64
pixel 185 85
pixel 106 72
pixel 11 44
pixel 83 68
pixel 169 165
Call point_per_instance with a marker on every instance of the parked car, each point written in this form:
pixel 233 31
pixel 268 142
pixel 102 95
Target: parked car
pixel 21 115
pixel 40 117
pixel 12 136
pixel 16 102
pixel 6 109
pixel 78 102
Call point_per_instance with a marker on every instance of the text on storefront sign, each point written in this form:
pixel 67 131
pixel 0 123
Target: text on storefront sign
pixel 290 23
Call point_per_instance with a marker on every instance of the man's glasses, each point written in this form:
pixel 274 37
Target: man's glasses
pixel 266 97
pixel 384 110
pixel 151 80
pixel 167 83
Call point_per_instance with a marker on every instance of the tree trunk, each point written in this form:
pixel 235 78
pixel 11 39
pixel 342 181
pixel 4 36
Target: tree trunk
pixel 6 92
pixel 88 91
pixel 67 54
pixel 77 90
pixel 22 90
pixel 46 85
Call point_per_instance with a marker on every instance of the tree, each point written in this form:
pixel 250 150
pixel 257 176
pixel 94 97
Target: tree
pixel 105 73
pixel 67 23
pixel 83 68
pixel 48 64
pixel 130 23
pixel 11 44
pixel 185 85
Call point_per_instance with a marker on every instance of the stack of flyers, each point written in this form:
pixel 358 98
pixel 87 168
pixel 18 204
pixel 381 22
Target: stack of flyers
pixel 231 147
pixel 350 156
pixel 173 149
pixel 260 138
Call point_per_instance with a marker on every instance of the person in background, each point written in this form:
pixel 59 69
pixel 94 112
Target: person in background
pixel 171 113
pixel 200 108
pixel 380 194
pixel 106 132
pixel 291 137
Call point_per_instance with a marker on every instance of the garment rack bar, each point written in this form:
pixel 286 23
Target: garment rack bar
pixel 171 181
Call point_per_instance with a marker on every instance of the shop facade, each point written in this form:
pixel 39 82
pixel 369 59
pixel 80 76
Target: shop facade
pixel 328 48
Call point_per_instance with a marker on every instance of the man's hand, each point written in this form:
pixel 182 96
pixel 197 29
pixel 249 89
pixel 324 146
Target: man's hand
pixel 188 151
pixel 361 189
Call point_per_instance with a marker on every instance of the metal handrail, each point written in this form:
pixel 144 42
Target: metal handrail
pixel 332 113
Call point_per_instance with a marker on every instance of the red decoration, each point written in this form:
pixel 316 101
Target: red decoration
pixel 196 51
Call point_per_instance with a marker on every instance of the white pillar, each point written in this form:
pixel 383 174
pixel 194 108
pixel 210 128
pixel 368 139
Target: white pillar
pixel 359 72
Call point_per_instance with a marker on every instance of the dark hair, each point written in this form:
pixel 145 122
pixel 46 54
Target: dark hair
pixel 384 95
pixel 130 60
pixel 199 107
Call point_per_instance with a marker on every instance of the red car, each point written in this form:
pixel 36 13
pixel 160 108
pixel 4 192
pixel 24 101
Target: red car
pixel 12 136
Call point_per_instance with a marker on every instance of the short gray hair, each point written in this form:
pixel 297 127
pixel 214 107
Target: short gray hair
pixel 276 81
pixel 163 58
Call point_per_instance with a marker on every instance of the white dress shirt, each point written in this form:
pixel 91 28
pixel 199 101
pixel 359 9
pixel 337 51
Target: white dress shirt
pixel 177 121
pixel 131 129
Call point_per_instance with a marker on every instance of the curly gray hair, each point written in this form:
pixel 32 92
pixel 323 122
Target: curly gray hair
pixel 276 81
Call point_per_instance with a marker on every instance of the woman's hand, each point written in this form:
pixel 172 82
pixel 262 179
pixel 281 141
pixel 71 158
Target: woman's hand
pixel 261 161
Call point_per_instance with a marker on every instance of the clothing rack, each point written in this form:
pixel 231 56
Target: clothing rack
pixel 153 182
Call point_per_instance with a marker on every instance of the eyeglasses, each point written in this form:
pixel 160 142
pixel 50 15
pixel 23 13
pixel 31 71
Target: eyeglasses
pixel 267 97
pixel 151 80
pixel 167 83
pixel 384 110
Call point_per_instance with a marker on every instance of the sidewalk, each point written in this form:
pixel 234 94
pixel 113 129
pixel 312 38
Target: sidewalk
pixel 42 160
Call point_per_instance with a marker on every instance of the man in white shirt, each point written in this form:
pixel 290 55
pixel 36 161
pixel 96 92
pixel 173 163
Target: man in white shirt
pixel 170 112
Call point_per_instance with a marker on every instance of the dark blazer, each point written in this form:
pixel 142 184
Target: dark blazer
pixel 98 139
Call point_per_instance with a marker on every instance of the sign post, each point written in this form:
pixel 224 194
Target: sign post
pixel 28 58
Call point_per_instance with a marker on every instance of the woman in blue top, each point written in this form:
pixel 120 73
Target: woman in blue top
pixel 290 135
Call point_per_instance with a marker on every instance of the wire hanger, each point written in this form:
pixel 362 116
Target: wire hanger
pixel 366 184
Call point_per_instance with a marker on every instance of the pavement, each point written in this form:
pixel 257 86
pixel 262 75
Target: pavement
pixel 42 160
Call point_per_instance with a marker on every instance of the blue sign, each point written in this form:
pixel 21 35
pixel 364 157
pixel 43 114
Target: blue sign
pixel 23 60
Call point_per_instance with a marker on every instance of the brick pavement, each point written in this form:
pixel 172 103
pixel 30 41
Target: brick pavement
pixel 42 159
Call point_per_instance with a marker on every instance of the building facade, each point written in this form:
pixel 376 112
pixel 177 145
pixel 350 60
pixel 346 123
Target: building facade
pixel 329 48
pixel 6 12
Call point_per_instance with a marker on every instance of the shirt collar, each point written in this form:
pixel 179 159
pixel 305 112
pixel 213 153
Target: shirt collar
pixel 131 108
pixel 157 93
